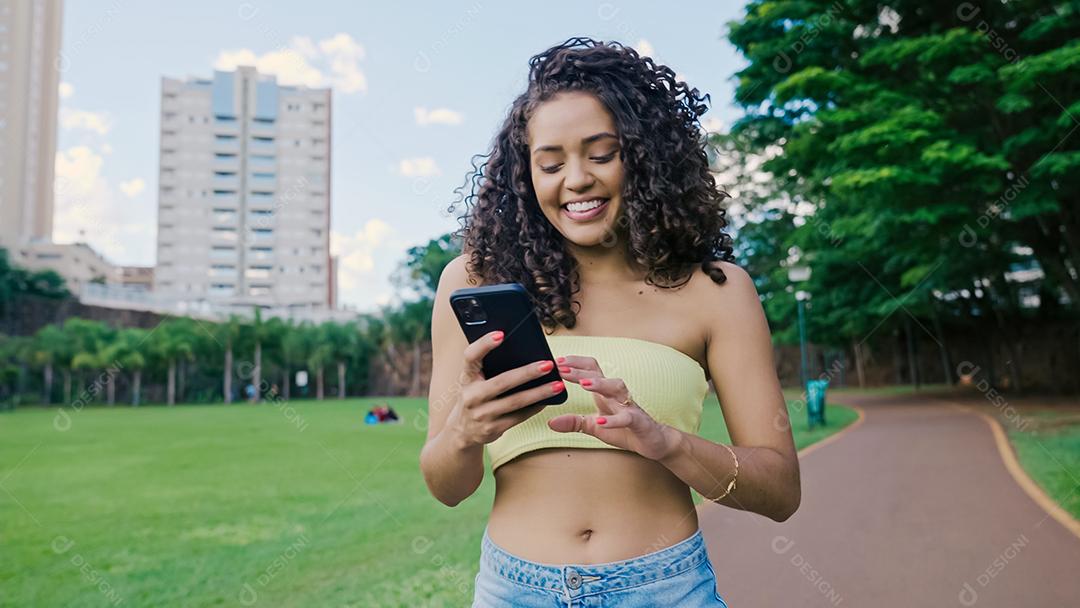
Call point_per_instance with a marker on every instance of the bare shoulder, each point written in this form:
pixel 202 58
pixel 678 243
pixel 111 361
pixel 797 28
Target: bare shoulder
pixel 726 305
pixel 737 287
pixel 456 275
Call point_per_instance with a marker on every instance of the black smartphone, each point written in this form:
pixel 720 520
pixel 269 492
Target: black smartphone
pixel 506 307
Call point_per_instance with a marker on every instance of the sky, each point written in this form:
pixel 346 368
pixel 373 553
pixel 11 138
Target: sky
pixel 417 92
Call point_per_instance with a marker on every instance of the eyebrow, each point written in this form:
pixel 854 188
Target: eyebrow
pixel 587 140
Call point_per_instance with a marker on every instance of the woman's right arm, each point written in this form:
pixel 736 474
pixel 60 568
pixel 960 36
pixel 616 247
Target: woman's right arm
pixel 463 413
pixel 452 469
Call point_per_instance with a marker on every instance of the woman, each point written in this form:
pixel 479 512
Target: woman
pixel 597 198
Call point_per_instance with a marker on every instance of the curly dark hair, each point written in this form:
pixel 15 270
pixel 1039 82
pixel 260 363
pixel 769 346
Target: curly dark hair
pixel 673 218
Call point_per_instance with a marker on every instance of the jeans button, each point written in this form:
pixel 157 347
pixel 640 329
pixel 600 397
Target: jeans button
pixel 573 579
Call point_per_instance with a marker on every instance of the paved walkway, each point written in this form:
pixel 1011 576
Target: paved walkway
pixel 914 507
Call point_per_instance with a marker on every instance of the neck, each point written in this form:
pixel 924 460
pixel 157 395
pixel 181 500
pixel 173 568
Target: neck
pixel 605 265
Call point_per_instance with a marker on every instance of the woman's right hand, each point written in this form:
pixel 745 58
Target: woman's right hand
pixel 478 417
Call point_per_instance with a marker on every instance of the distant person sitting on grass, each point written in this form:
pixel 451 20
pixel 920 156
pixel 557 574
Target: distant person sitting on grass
pixel 381 413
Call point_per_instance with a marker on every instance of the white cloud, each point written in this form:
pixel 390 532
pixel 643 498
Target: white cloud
pixel 82 119
pixel 714 125
pixel 364 258
pixel 418 167
pixel 133 187
pixel 644 47
pixel 437 116
pixel 333 62
pixel 66 90
pixel 88 209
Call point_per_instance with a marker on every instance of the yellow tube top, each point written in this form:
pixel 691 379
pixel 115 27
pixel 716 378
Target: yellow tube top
pixel 665 382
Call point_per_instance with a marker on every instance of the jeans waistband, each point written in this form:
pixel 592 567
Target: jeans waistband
pixel 580 579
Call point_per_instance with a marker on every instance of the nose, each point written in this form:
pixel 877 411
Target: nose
pixel 577 179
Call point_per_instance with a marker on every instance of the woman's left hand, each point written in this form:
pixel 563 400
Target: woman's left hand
pixel 625 426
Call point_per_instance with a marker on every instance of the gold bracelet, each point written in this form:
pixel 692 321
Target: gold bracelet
pixel 731 485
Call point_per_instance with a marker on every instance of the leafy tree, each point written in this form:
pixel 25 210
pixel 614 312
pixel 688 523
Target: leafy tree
pixel 424 265
pixel 919 152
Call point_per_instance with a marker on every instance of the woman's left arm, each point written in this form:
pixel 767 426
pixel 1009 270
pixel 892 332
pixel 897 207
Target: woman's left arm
pixel 740 359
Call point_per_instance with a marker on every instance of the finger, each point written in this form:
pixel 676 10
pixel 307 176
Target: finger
pixel 608 393
pixel 573 423
pixel 580 362
pixel 618 420
pixel 516 401
pixel 493 387
pixel 474 353
pixel 573 374
pixel 612 388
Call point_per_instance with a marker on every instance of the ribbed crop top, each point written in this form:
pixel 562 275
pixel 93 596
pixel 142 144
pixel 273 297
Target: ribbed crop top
pixel 665 382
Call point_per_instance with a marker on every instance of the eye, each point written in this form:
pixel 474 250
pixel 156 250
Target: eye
pixel 551 169
pixel 604 159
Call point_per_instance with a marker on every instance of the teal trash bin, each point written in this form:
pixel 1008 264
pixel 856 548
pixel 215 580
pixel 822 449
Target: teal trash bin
pixel 815 401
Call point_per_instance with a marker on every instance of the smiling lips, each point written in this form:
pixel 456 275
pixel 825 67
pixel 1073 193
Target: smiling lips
pixel 585 210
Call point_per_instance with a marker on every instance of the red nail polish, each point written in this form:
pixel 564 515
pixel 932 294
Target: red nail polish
pixel 557 386
pixel 563 369
pixel 545 366
pixel 560 360
pixel 586 382
pixel 498 336
pixel 601 420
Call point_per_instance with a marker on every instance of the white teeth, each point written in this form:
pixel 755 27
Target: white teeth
pixel 585 205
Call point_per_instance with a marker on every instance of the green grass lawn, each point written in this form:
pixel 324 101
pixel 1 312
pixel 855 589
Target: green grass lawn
pixel 239 505
pixel 1049 449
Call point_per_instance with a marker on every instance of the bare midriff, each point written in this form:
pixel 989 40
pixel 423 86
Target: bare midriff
pixel 588 506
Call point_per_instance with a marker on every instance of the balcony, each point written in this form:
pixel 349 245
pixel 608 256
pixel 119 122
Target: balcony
pixel 221 182
pixel 225 197
pixel 262 129
pixel 225 218
pixel 223 253
pixel 261 235
pixel 265 182
pixel 260 254
pixel 224 234
pixel 258 272
pixel 262 144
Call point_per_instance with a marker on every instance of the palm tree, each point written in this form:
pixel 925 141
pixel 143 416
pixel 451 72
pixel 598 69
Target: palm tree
pixel 410 325
pixel 259 333
pixel 87 339
pixel 343 341
pixel 126 351
pixel 321 355
pixel 295 349
pixel 173 341
pixel 51 347
pixel 14 352
pixel 228 333
pixel 273 348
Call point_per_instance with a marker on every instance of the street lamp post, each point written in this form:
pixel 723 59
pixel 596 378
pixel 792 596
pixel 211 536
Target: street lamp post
pixel 800 297
pixel 798 274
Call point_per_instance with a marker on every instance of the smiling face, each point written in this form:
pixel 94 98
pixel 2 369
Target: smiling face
pixel 577 169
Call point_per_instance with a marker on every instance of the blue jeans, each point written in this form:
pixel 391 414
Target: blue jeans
pixel 679 575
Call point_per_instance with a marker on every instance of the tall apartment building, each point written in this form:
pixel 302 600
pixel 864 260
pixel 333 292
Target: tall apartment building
pixel 244 201
pixel 29 78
